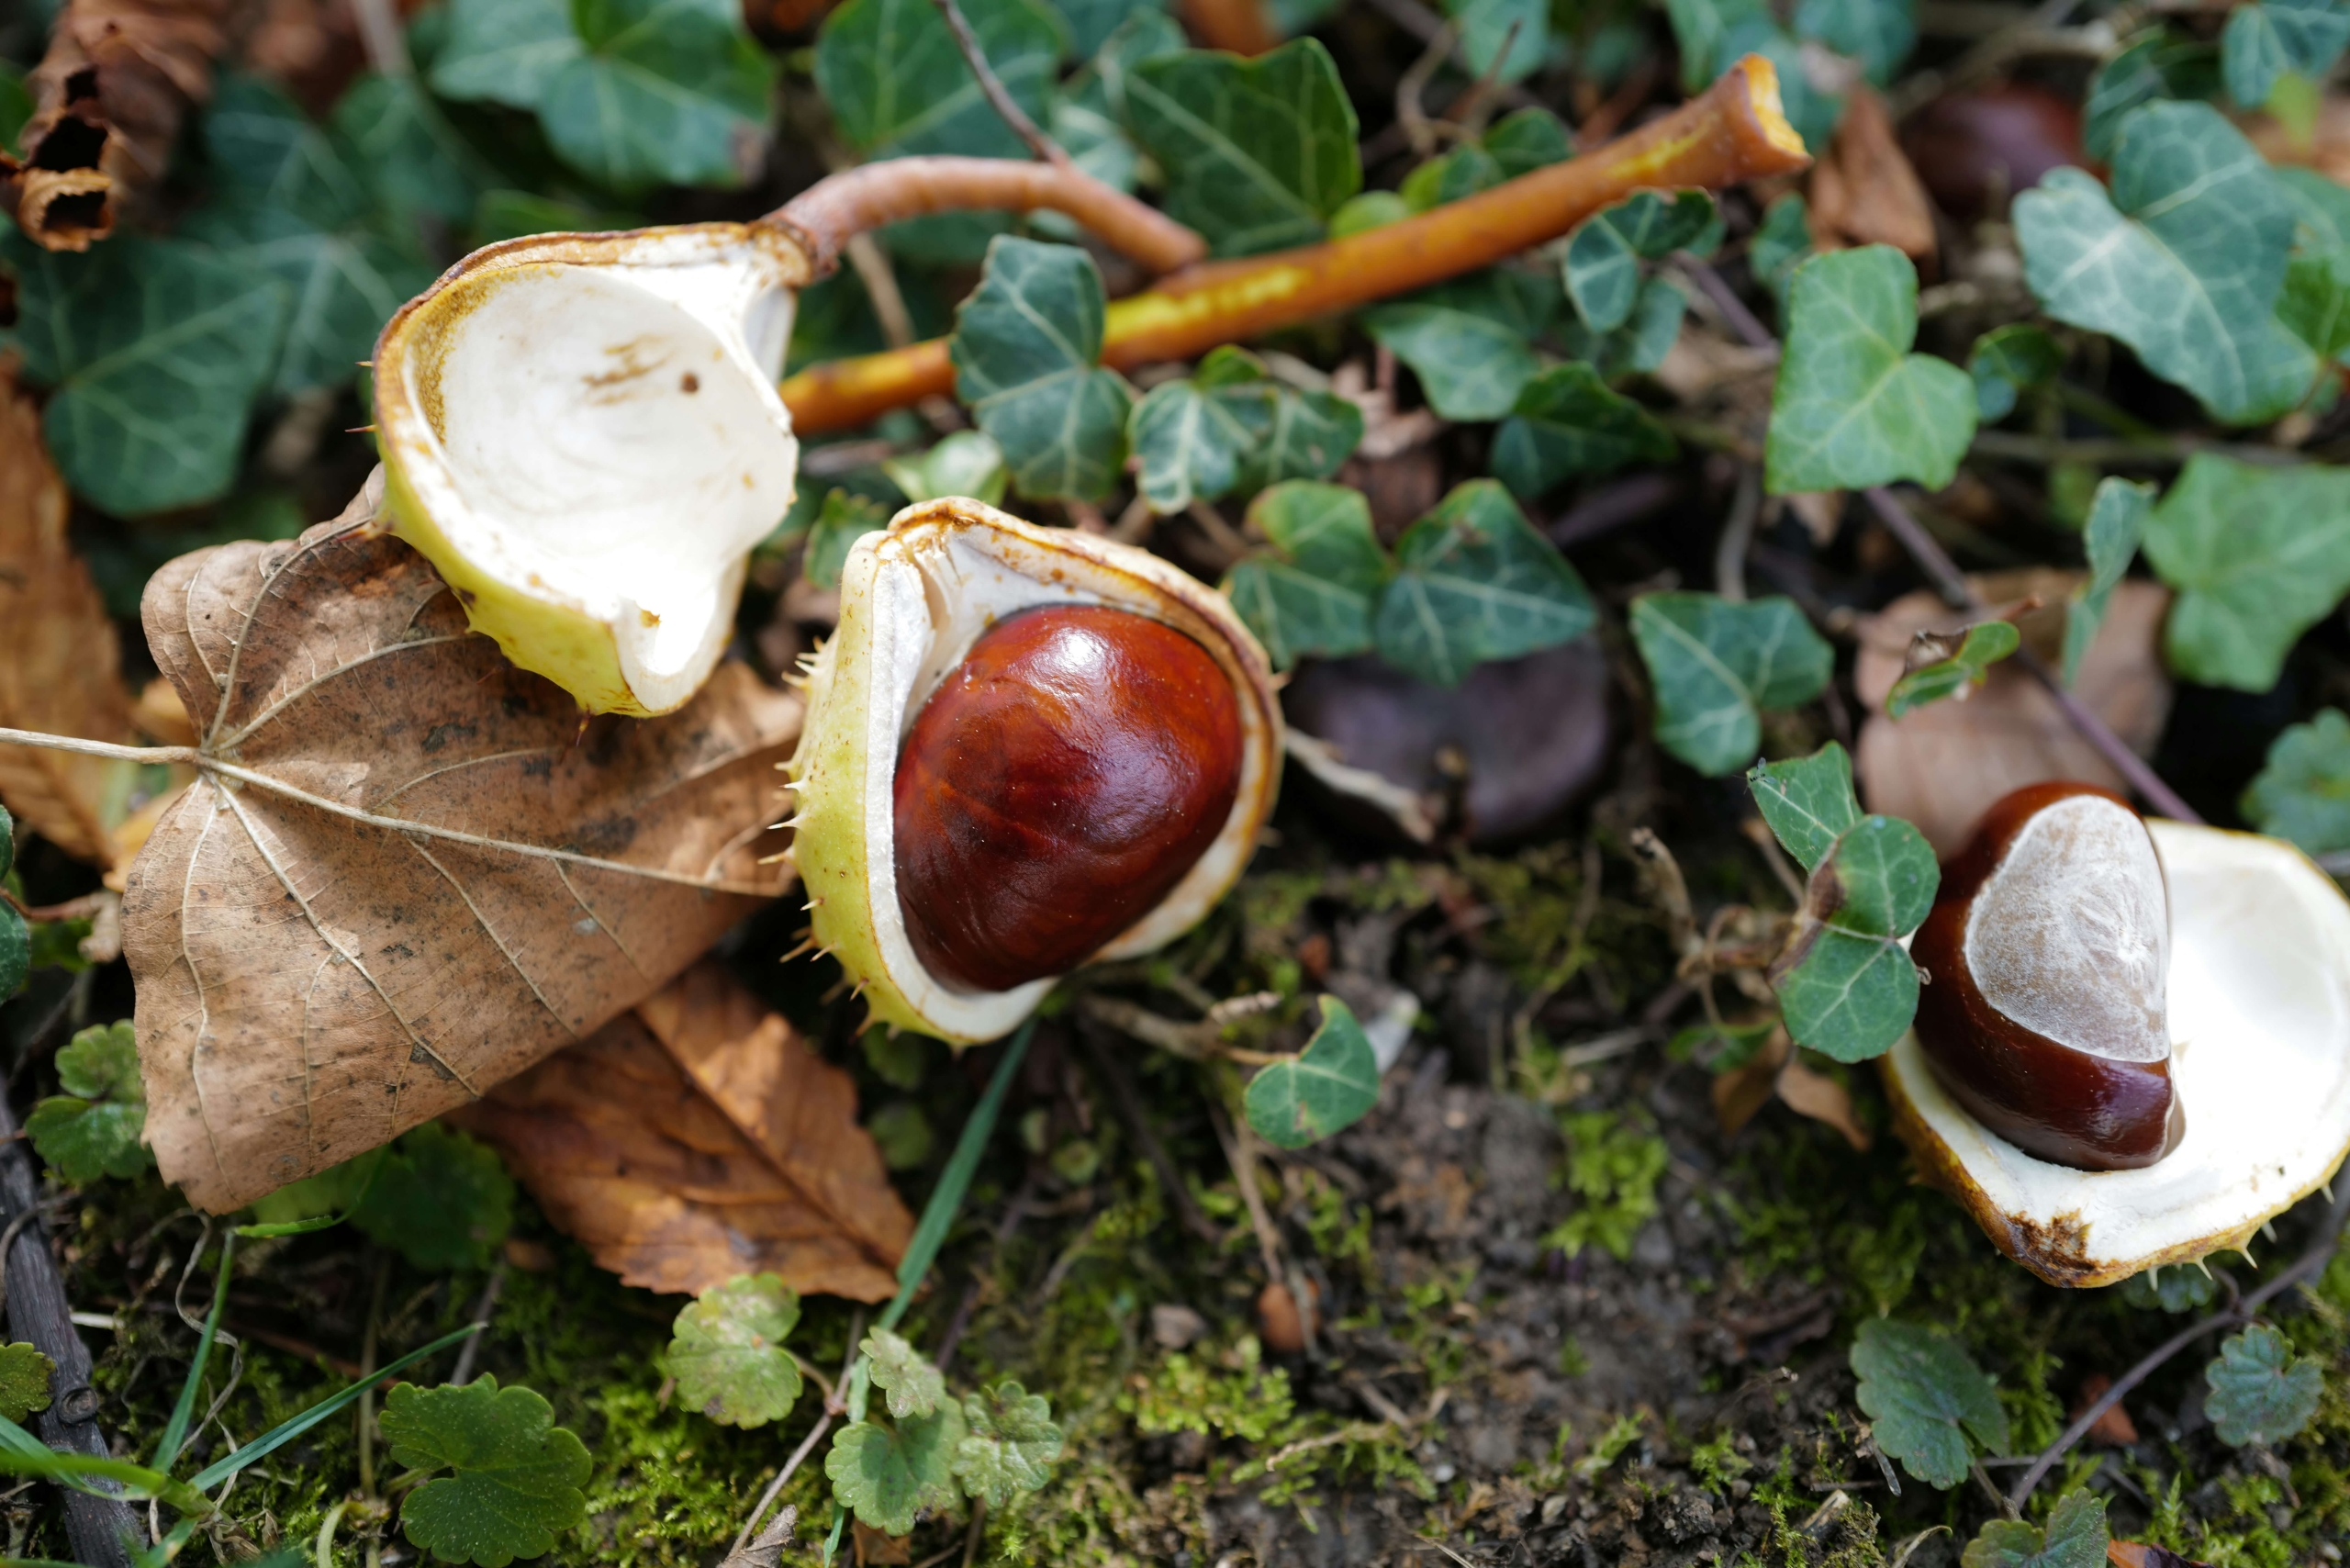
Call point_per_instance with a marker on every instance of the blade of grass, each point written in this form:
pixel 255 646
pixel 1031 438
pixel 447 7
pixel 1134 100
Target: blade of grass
pixel 321 1222
pixel 175 1429
pixel 286 1431
pixel 74 1469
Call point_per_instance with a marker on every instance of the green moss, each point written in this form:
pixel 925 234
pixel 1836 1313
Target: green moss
pixel 1613 1164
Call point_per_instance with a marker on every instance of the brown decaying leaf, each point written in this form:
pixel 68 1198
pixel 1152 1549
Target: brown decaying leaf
pixel 108 101
pixel 309 984
pixel 60 664
pixel 1864 192
pixel 698 1138
pixel 2114 1429
pixel 1777 1070
pixel 1944 765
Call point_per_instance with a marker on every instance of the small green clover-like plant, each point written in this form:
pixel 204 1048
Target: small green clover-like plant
pixel 1567 423
pixel 1311 591
pixel 2007 360
pixel 2261 1393
pixel 2117 522
pixel 24 1374
pixel 94 1128
pixel 2076 1538
pixel 1852 406
pixel 1846 988
pixel 2257 554
pixel 516 1477
pixel 1025 349
pixel 1326 1088
pixel 1716 665
pixel 16 936
pixel 1602 267
pixel 1010 1447
pixel 727 1351
pixel 914 1388
pixel 2302 793
pixel 891 1475
pixel 1927 1398
pixel 1474 583
pixel 1965 665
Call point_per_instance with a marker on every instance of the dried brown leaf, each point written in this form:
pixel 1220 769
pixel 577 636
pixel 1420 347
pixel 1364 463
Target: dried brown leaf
pixel 621 1146
pixel 1943 766
pixel 108 101
pixel 1815 1094
pixel 61 662
pixel 314 974
pixel 1864 192
pixel 1742 1091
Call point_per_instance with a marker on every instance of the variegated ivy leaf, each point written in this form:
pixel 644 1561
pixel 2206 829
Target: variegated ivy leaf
pixel 1809 801
pixel 2157 63
pixel 1468 340
pixel 1024 350
pixel 897 85
pixel 2264 41
pixel 1311 593
pixel 1604 256
pixel 2259 555
pixel 661 91
pixel 1473 583
pixel 1193 435
pixel 1716 664
pixel 1782 243
pixel 2005 361
pixel 1257 153
pixel 1853 406
pixel 1312 434
pixel 504 51
pixel 1487 27
pixel 1566 422
pixel 2117 522
pixel 2183 261
pixel 1639 345
pixel 1846 987
pixel 1092 22
pixel 1878 33
pixel 2302 792
pixel 1962 669
pixel 1326 1088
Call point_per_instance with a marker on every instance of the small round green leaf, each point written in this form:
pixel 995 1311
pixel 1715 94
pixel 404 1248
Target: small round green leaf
pixel 25 1375
pixel 890 1476
pixel 1012 1446
pixel 517 1476
pixel 2261 1393
pixel 727 1351
pixel 914 1386
pixel 2076 1538
pixel 1926 1397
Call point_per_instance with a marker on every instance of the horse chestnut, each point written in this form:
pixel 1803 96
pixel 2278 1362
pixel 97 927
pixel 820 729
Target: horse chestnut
pixel 1055 787
pixel 2048 951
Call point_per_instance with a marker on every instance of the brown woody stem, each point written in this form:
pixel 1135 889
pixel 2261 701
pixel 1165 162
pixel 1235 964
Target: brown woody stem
pixel 1734 131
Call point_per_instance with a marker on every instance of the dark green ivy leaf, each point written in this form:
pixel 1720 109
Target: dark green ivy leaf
pixel 1926 1397
pixel 845 517
pixel 1713 33
pixel 2264 41
pixel 2157 63
pixel 516 1475
pixel 1964 667
pixel 1474 583
pixel 16 938
pixel 1012 1445
pixel 2117 522
pixel 2315 303
pixel 2302 793
pixel 1328 1088
pixel 2005 361
pixel 1093 22
pixel 1809 801
pixel 890 1476
pixel 1716 665
pixel 1878 33
pixel 897 83
pixel 1639 345
pixel 1193 436
pixel 1567 423
pixel 2259 555
pixel 405 149
pixel 1845 986
pixel 1604 256
pixel 1311 593
pixel 504 51
pixel 2076 1538
pixel 663 91
pixel 2261 1392
pixel 1488 26
pixel 94 1128
pixel 1025 351
pixel 1782 243
pixel 727 1353
pixel 1470 366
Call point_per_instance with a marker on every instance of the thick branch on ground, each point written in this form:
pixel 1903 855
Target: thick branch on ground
pixel 1733 132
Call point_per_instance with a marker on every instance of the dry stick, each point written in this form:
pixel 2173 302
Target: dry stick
pixel 2310 1264
pixel 1733 131
pixel 1951 583
pixel 833 1406
pixel 98 1527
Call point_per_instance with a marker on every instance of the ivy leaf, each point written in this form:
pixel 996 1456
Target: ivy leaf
pixel 2259 555
pixel 1470 368
pixel 1808 800
pixel 291 206
pixel 2302 792
pixel 25 1375
pixel 890 1477
pixel 2117 522
pixel 964 463
pixel 1604 256
pixel 1925 1397
pixel 2180 1288
pixel 1782 243
pixel 665 91
pixel 1312 434
pixel 726 1351
pixel 1963 669
pixel 1012 1446
pixel 1853 406
pixel 1528 139
pixel 2315 304
pixel 1193 436
pixel 1567 423
pixel 1474 583
pixel 1312 592
pixel 411 158
pixel 1716 665
pixel 1257 153
pixel 156 350
pixel 94 1128
pixel 1092 23
pixel 1326 1088
pixel 2157 63
pixel 2076 1538
pixel 914 1386
pixel 504 51
pixel 1485 30
pixel 2183 261
pixel 1641 345
pixel 1024 350
pixel 1878 33
pixel 2263 42
pixel 898 84
pixel 2005 361
pixel 1846 988
pixel 15 936
pixel 845 517
pixel 517 1475
pixel 2261 1393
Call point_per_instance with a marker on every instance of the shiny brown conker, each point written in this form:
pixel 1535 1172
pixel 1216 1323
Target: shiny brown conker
pixel 1055 787
pixel 2048 961
pixel 1973 150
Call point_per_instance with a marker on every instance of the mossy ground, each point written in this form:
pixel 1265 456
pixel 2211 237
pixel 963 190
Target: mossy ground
pixel 1564 1319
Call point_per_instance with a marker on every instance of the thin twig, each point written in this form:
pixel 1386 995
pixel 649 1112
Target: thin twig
pixel 1046 149
pixel 1244 1171
pixel 2311 1263
pixel 833 1405
pixel 489 1304
pixel 1737 535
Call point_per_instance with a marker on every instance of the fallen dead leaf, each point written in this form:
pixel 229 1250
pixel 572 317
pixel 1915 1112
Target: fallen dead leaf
pixel 1943 766
pixel 622 1147
pixel 2114 1429
pixel 108 101
pixel 1864 192
pixel 1815 1094
pixel 61 661
pixel 1742 1091
pixel 406 871
pixel 880 1550
pixel 2145 1554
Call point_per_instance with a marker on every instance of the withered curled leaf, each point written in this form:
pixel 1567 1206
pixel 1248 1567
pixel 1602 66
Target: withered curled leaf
pixel 312 978
pixel 697 1138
